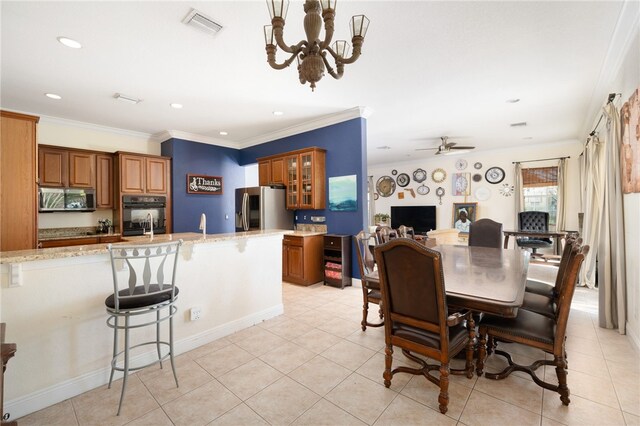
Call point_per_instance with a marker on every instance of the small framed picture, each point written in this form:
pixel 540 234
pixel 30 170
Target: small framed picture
pixel 463 215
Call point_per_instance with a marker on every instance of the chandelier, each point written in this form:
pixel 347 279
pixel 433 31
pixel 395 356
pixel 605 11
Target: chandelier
pixel 311 53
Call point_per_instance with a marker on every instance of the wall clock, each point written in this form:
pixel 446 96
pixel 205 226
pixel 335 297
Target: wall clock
pixel 507 190
pixel 461 164
pixel 419 175
pixel 477 165
pixel 403 179
pixel 482 193
pixel 461 184
pixel 494 175
pixel 440 193
pixel 423 190
pixel 438 175
pixel 477 177
pixel 386 186
pixel 376 195
pixel 394 172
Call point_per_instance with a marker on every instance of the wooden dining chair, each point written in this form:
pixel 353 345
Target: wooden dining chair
pixel 537 331
pixel 385 233
pixel 485 233
pixel 416 317
pixel 368 276
pixel 406 232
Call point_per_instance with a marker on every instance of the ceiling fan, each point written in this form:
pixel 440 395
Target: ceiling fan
pixel 447 147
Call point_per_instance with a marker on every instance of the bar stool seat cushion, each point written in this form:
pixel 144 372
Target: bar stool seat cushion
pixel 143 300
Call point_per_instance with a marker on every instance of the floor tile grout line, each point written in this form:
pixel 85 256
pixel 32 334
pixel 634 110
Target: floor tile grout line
pixel 511 403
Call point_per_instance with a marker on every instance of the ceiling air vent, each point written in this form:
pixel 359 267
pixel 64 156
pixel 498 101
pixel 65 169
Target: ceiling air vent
pixel 520 124
pixel 202 22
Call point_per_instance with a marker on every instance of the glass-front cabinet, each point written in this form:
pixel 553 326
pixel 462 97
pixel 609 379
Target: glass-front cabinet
pixel 306 179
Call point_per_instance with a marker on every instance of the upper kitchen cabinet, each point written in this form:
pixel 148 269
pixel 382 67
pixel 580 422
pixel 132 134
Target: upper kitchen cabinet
pixel 305 179
pixel 104 181
pixel 271 172
pixel 66 167
pixel 18 153
pixel 141 174
pixel 53 166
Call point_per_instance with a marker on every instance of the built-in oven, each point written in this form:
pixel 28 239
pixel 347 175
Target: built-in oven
pixel 140 212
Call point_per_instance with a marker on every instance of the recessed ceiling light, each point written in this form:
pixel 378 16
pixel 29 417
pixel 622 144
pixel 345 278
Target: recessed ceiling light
pixel 278 113
pixel 69 42
pixel 53 96
pixel 513 101
pixel 223 133
pixel 176 106
pixel 383 147
pixel 519 124
pixel 128 99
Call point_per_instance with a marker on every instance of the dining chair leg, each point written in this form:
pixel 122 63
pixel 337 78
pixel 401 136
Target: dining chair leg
pixel 471 327
pixel 380 314
pixel 365 313
pixel 443 397
pixel 561 372
pixel 482 354
pixel 388 358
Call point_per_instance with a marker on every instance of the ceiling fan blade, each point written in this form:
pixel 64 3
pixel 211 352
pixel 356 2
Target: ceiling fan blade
pixel 426 149
pixel 462 147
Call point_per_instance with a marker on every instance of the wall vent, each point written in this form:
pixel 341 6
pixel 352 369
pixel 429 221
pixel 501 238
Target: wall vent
pixel 520 124
pixel 202 22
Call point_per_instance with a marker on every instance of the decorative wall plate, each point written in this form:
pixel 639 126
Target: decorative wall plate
pixel 376 195
pixel 461 164
pixel 438 175
pixel 386 186
pixel 482 193
pixel 494 175
pixel 403 179
pixel 507 190
pixel 419 175
pixel 477 165
pixel 394 172
pixel 477 177
pixel 440 193
pixel 423 190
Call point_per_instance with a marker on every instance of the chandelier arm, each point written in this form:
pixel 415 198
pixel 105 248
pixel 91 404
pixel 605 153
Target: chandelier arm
pixel 328 16
pixel 278 31
pixel 271 58
pixel 357 42
pixel 332 73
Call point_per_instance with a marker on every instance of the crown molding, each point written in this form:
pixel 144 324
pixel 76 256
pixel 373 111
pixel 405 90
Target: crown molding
pixel 95 127
pixel 317 123
pixel 626 30
pixel 192 137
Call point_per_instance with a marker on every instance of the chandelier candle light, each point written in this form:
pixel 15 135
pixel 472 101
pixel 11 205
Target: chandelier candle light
pixel 312 52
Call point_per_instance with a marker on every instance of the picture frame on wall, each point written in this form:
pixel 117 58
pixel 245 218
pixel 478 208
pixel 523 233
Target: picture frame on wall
pixel 202 184
pixel 464 214
pixel 343 194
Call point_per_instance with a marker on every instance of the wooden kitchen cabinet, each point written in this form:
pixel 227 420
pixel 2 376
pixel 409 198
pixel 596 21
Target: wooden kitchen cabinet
pixel 305 179
pixel 18 183
pixel 302 259
pixel 271 172
pixel 53 167
pixel 141 174
pixel 104 181
pixel 82 169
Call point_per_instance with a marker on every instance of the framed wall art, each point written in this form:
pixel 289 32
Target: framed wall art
pixel 343 195
pixel 463 215
pixel 201 184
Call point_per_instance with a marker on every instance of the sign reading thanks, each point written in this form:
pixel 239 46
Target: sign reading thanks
pixel 200 184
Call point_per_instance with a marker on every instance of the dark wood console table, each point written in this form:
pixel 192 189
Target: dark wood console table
pixel 557 235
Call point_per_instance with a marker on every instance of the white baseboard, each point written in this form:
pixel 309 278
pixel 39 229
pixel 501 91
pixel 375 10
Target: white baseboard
pixel 43 398
pixel 356 282
pixel 633 336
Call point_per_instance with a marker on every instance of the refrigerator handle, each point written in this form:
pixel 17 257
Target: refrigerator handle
pixel 245 211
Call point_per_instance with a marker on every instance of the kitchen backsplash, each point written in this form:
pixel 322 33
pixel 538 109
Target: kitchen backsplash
pixel 310 227
pixel 72 219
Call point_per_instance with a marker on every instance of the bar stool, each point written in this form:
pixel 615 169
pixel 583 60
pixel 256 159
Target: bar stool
pixel 148 288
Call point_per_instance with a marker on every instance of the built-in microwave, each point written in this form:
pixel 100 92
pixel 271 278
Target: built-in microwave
pixel 66 200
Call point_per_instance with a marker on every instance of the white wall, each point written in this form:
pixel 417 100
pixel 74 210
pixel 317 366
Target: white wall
pixel 72 134
pixel 498 207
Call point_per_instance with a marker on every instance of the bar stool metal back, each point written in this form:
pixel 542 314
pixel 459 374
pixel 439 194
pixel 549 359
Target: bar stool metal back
pixel 144 295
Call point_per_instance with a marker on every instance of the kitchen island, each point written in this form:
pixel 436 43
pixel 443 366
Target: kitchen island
pixel 53 300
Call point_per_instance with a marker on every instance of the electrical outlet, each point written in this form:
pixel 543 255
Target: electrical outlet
pixel 196 313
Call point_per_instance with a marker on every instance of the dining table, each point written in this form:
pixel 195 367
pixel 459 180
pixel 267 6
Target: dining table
pixel 483 279
pixel 556 235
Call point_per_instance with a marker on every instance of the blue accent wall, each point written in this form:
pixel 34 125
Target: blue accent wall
pixel 345 143
pixel 198 158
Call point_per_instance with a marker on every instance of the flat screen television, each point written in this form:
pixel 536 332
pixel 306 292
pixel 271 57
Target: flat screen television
pixel 421 218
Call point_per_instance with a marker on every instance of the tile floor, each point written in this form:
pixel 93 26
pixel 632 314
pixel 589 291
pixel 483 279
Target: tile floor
pixel 314 366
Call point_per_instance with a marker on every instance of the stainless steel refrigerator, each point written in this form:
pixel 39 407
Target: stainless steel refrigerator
pixel 262 207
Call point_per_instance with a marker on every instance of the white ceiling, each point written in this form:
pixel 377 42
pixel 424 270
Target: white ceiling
pixel 427 69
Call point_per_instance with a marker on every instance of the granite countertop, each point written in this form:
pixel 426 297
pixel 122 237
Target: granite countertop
pixel 305 233
pixel 189 238
pixel 52 234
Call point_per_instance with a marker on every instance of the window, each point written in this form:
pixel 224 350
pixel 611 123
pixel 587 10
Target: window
pixel 540 191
